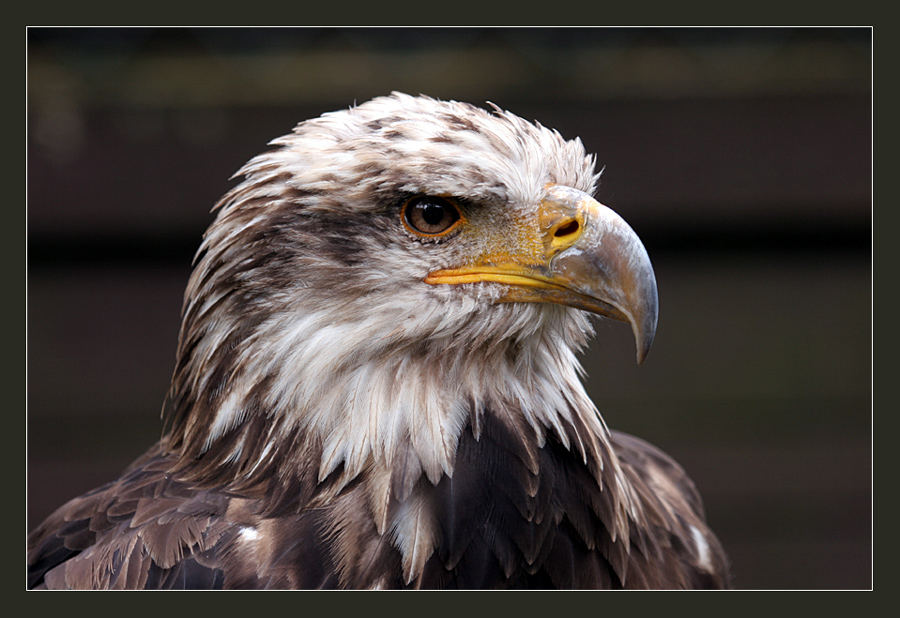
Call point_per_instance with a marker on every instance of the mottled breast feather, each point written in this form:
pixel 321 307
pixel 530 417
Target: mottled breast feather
pixel 513 515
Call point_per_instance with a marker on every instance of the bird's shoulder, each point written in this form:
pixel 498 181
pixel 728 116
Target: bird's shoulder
pixel 673 510
pixel 646 465
pixel 150 529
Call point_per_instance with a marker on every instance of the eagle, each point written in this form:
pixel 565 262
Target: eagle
pixel 376 383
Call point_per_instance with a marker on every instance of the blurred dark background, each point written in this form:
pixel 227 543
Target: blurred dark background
pixel 740 156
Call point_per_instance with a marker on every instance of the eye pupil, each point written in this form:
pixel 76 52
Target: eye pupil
pixel 430 216
pixel 432 213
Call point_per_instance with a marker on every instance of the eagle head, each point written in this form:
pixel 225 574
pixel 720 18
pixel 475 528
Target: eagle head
pixel 383 275
pixel 376 382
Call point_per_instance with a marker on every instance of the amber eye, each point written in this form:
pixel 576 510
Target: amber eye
pixel 430 216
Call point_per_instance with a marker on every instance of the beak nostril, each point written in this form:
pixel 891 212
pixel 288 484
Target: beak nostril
pixel 566 229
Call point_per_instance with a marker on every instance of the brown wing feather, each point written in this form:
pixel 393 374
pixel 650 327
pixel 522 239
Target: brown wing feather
pixel 674 516
pixel 140 531
pixel 154 528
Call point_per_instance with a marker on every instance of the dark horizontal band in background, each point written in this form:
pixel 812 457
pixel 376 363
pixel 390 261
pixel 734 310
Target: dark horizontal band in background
pixel 797 237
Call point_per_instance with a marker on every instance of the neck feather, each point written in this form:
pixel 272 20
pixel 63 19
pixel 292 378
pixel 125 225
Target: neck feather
pixel 354 400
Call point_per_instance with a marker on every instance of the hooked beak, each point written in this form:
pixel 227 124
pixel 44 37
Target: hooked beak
pixel 588 257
